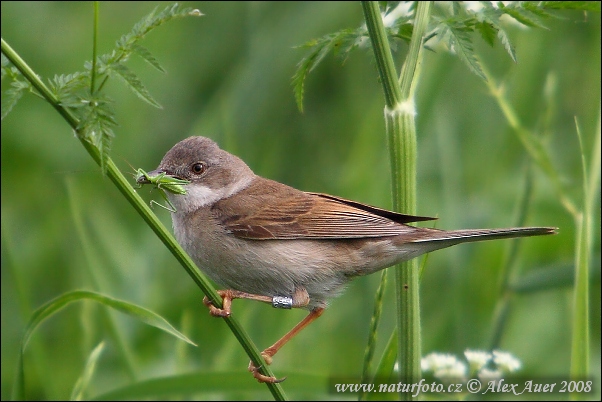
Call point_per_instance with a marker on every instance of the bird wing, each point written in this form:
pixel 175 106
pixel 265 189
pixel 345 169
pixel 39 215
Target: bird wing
pixel 271 210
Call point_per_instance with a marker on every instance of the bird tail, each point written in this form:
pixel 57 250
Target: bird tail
pixel 438 239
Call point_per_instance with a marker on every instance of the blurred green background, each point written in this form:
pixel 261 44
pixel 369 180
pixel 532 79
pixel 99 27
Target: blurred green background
pixel 65 227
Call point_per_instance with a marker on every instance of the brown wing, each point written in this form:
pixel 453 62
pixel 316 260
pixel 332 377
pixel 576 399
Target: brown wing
pixel 271 210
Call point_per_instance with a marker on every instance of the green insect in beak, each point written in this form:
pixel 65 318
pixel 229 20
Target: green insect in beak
pixel 163 183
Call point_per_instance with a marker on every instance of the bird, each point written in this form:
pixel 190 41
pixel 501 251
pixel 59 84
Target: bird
pixel 266 241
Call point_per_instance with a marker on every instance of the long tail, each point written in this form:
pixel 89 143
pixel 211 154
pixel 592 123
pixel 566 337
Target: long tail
pixel 444 238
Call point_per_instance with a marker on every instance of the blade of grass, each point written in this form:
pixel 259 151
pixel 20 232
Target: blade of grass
pixel 580 348
pixel 84 380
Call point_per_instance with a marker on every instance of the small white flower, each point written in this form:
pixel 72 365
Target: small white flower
pixel 486 375
pixel 444 366
pixel 477 359
pixel 454 373
pixel 505 361
pixel 434 361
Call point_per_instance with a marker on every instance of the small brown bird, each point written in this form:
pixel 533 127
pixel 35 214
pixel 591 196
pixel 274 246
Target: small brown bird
pixel 266 241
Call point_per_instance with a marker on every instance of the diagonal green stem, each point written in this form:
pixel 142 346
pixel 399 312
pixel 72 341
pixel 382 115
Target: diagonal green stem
pixel 149 217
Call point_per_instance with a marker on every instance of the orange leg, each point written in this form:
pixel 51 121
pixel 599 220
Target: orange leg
pixel 299 299
pixel 272 350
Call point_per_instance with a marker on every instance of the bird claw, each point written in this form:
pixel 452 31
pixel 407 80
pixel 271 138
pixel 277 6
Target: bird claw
pixel 227 297
pixel 214 311
pixel 261 377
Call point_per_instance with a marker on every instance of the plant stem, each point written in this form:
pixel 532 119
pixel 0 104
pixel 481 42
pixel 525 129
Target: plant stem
pixel 401 135
pixel 94 47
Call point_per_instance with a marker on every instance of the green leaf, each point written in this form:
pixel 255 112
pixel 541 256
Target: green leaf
pixel 507 44
pixel 152 21
pixel 96 125
pixel 524 16
pixel 146 316
pixel 572 5
pixel 134 83
pixel 371 345
pixel 461 43
pixel 66 88
pixel 146 55
pixel 385 370
pixel 84 380
pixel 555 277
pixel 49 309
pixel 11 96
pixel 488 32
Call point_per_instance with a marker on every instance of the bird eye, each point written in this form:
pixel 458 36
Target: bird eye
pixel 198 168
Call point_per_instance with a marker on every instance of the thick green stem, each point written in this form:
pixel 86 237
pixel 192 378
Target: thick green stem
pixel 151 219
pixel 401 135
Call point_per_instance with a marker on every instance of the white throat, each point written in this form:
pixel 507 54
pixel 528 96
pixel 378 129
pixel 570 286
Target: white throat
pixel 198 195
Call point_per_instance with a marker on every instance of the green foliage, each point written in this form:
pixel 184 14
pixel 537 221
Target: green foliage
pixel 52 307
pixel 77 92
pixel 11 96
pixel 452 27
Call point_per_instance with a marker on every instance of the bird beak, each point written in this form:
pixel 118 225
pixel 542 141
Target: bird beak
pixel 144 178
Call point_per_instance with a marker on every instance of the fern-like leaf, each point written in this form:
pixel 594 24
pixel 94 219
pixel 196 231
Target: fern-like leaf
pixel 488 32
pixel 67 87
pixel 523 15
pixel 134 83
pixel 571 5
pixel 147 56
pixel 96 125
pixel 150 22
pixel 461 43
pixel 491 16
pixel 11 96
pixel 342 42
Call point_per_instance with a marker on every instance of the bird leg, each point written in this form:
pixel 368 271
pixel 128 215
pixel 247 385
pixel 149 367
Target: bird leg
pixel 268 353
pixel 300 299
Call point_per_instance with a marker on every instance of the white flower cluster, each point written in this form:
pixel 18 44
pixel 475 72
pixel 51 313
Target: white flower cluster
pixel 483 365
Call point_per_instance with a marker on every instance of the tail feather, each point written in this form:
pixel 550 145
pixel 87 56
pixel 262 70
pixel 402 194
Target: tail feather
pixel 444 238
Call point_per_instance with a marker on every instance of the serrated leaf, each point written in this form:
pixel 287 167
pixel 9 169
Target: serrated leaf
pixel 536 9
pixel 65 87
pixel 146 55
pixel 523 16
pixel 134 83
pixel 507 44
pixel 152 21
pixel 96 125
pixel 488 32
pixel 9 99
pixel 491 15
pixel 341 42
pixel 462 44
